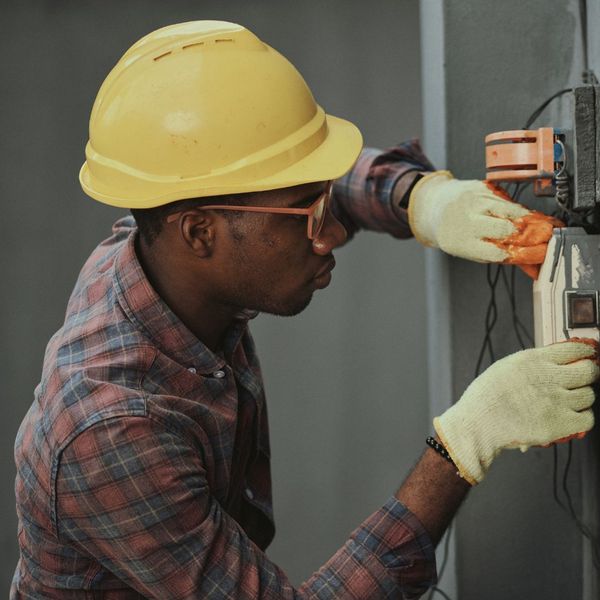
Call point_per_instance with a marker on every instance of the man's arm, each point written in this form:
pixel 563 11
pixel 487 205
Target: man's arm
pixel 531 398
pixel 135 497
pixel 397 191
pixel 433 492
pixel 373 195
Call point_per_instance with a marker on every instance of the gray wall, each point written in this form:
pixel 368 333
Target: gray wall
pixel 501 61
pixel 346 380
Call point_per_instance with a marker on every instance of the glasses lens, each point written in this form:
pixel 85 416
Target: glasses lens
pixel 318 216
pixel 321 211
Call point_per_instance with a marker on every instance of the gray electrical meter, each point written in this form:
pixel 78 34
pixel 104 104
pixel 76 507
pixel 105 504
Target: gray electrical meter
pixel 566 293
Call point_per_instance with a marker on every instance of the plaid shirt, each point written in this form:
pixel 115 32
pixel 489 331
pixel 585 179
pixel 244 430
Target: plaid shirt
pixel 143 462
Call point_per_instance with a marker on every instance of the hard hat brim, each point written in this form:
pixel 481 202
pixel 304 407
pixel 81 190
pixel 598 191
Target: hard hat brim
pixel 334 157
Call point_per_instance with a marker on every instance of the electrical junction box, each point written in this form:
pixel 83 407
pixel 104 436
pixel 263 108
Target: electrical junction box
pixel 584 147
pixel 566 293
pixel 564 164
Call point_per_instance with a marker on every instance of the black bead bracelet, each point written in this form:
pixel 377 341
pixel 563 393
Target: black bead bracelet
pixel 439 448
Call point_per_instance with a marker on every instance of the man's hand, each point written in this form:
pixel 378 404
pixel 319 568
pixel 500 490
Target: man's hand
pixel 531 398
pixel 478 221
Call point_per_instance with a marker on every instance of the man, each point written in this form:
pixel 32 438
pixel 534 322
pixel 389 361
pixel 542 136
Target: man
pixel 143 463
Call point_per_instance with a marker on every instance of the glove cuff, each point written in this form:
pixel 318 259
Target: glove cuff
pixel 471 456
pixel 424 208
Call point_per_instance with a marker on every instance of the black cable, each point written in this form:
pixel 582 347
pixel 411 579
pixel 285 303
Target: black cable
pixel 588 76
pixel 441 592
pixel 584 530
pixel 555 478
pixel 569 508
pixel 540 109
pixel 578 218
pixel 519 328
pixel 517 321
pixel 491 317
pixel 520 188
pixel 446 550
pixel 584 37
pixel 444 563
pixel 564 482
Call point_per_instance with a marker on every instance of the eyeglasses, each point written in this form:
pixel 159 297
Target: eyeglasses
pixel 316 212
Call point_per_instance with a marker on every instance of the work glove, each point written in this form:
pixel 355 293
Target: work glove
pixel 477 220
pixel 531 398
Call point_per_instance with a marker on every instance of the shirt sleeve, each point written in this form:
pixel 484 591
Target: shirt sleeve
pixel 134 496
pixel 373 195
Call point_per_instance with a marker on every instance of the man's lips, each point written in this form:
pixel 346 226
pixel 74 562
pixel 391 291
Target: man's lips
pixel 326 269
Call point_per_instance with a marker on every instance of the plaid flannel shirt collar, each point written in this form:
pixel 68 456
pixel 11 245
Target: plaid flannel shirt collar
pixel 151 315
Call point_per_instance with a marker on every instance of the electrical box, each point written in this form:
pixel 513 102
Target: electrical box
pixel 564 164
pixel 566 293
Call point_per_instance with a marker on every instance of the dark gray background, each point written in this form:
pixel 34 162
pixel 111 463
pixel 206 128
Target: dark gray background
pixel 346 380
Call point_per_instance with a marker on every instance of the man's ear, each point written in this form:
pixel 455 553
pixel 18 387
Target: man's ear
pixel 199 231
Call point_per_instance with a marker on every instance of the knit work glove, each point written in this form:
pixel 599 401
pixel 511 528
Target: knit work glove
pixel 530 398
pixel 478 221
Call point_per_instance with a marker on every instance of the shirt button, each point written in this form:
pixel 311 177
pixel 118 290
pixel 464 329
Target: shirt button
pixel 219 374
pixel 249 494
pixel 192 370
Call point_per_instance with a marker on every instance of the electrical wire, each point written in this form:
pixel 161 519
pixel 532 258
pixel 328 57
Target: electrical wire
pixel 588 76
pixel 519 328
pixel 555 479
pixel 570 510
pixel 525 339
pixel 442 568
pixel 521 331
pixel 583 23
pixel 491 317
pixel 441 592
pixel 493 273
pixel 449 533
pixel 542 107
pixel 573 218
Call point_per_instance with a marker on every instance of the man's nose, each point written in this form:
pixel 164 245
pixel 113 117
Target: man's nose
pixel 332 235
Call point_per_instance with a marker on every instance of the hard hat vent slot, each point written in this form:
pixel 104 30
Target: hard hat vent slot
pixel 162 55
pixel 192 45
pixel 223 40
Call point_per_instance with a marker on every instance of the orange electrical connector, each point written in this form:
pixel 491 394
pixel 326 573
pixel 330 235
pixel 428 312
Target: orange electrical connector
pixel 522 155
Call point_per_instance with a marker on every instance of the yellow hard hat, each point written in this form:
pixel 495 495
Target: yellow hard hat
pixel 205 108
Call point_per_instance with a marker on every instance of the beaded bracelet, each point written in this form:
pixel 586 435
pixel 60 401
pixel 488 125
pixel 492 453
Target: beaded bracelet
pixel 439 448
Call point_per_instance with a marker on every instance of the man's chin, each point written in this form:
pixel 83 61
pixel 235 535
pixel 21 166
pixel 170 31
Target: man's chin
pixel 288 309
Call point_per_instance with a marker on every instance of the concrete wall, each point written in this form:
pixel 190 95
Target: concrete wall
pixel 346 380
pixel 501 61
